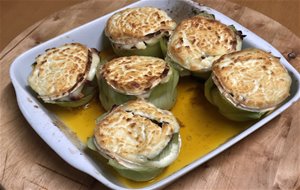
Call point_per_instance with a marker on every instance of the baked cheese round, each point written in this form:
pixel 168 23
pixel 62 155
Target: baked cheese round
pixel 200 40
pixel 134 25
pixel 252 79
pixel 136 132
pixel 60 71
pixel 135 75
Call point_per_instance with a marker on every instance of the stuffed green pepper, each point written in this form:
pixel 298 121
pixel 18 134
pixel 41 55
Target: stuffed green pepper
pixel 65 75
pixel 246 85
pixel 138 139
pixel 139 31
pixel 198 41
pixel 132 77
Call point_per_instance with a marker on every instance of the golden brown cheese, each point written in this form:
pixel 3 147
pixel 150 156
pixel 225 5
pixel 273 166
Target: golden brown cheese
pixel 134 75
pixel 198 41
pixel 135 132
pixel 59 71
pixel 252 79
pixel 134 25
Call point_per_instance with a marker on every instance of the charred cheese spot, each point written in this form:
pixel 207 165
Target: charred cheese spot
pixel 252 79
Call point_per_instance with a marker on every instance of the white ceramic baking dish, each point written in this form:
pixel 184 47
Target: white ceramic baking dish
pixel 91 34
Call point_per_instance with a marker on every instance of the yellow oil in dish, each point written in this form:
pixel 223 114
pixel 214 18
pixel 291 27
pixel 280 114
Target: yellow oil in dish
pixel 203 129
pixel 80 120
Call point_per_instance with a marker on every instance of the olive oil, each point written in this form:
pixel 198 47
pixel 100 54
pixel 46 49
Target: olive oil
pixel 80 120
pixel 203 129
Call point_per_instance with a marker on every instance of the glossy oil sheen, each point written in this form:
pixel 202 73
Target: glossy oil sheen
pixel 203 129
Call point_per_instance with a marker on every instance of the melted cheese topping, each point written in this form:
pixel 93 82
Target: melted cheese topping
pixel 135 132
pixel 198 41
pixel 60 71
pixel 252 79
pixel 135 75
pixel 134 25
pixel 90 77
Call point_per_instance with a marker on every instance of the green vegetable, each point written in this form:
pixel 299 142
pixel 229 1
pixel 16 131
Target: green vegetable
pixel 162 96
pixel 226 108
pixel 207 15
pixel 232 27
pixel 89 93
pixel 164 45
pixel 148 170
pixel 109 97
pixel 185 72
pixel 182 71
pixel 237 32
pixel 90 144
pixel 140 174
pixel 153 50
pixel 203 75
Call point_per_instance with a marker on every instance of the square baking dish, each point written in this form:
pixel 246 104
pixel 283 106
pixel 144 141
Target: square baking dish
pixel 63 141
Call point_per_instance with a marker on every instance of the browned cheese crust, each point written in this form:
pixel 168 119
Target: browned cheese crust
pixel 134 25
pixel 198 41
pixel 252 79
pixel 135 131
pixel 59 71
pixel 134 75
